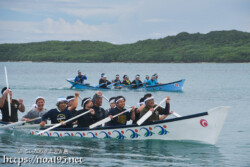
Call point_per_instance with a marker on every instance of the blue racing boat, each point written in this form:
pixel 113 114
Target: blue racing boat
pixel 176 86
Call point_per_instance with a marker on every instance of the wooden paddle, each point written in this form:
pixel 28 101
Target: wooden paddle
pixel 59 124
pixel 18 123
pixel 107 119
pixel 7 85
pixel 149 113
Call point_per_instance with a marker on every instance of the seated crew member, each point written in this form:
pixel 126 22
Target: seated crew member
pixel 137 82
pixel 80 78
pixel 112 105
pixel 121 119
pixel 146 80
pixel 37 111
pixel 141 105
pixel 59 114
pixel 87 119
pixel 156 78
pixel 150 105
pixel 97 103
pixel 101 79
pixel 117 81
pixel 104 82
pixel 126 80
pixel 15 106
pixel 72 103
pixel 152 81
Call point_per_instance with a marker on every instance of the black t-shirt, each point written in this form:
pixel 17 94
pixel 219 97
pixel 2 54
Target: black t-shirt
pixel 5 111
pixel 85 120
pixel 99 113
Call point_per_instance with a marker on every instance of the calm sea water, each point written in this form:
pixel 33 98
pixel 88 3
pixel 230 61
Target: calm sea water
pixel 207 85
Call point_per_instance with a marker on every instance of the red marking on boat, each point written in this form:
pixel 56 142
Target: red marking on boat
pixel 72 134
pixel 83 134
pixel 109 133
pixel 150 128
pixel 203 122
pixel 60 134
pixel 122 132
pixel 96 134
pixel 176 85
pixel 165 126
pixel 136 130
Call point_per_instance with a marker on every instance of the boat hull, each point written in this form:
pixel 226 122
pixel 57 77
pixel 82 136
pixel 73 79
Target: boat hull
pixel 171 87
pixel 203 127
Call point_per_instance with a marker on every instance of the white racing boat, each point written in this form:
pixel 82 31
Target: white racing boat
pixel 203 127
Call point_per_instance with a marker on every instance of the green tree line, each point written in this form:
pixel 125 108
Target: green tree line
pixel 215 46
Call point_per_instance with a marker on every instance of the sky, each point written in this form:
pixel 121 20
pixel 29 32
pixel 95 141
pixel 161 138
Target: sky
pixel 117 21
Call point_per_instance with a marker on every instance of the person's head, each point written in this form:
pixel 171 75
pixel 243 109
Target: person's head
pixel 120 102
pixel 117 77
pixel 112 102
pixel 87 103
pixel 156 75
pixel 97 100
pixel 104 77
pixel 153 77
pixel 137 77
pixel 79 73
pixel 124 77
pixel 149 100
pixel 102 74
pixel 40 101
pixel 4 91
pixel 147 77
pixel 141 101
pixel 61 103
pixel 70 100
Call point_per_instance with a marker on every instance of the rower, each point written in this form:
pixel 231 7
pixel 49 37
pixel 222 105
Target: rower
pixel 126 80
pixel 112 105
pixel 97 103
pixel 72 103
pixel 152 81
pixel 121 119
pixel 104 82
pixel 149 105
pixel 141 105
pixel 101 79
pixel 80 78
pixel 37 111
pixel 15 106
pixel 117 81
pixel 59 114
pixel 137 82
pixel 146 80
pixel 156 78
pixel 87 119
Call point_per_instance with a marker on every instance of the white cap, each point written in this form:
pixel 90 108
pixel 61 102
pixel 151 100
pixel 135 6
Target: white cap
pixel 39 97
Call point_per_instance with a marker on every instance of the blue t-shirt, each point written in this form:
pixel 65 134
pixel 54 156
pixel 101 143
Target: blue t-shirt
pixel 56 117
pixel 151 82
pixel 80 79
pixel 121 119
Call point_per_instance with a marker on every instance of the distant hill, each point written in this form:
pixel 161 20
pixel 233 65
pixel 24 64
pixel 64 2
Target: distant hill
pixel 216 46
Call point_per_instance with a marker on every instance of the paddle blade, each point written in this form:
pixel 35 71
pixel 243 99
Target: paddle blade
pixel 144 117
pixel 100 123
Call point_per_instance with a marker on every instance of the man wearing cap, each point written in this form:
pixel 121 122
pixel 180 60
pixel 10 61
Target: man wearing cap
pixel 121 119
pixel 80 78
pixel 111 104
pixel 15 106
pixel 158 114
pixel 59 114
pixel 87 119
pixel 137 82
pixel 104 82
pixel 97 103
pixel 72 103
pixel 156 78
pixel 37 111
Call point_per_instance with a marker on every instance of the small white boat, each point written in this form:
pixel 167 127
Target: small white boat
pixel 203 127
